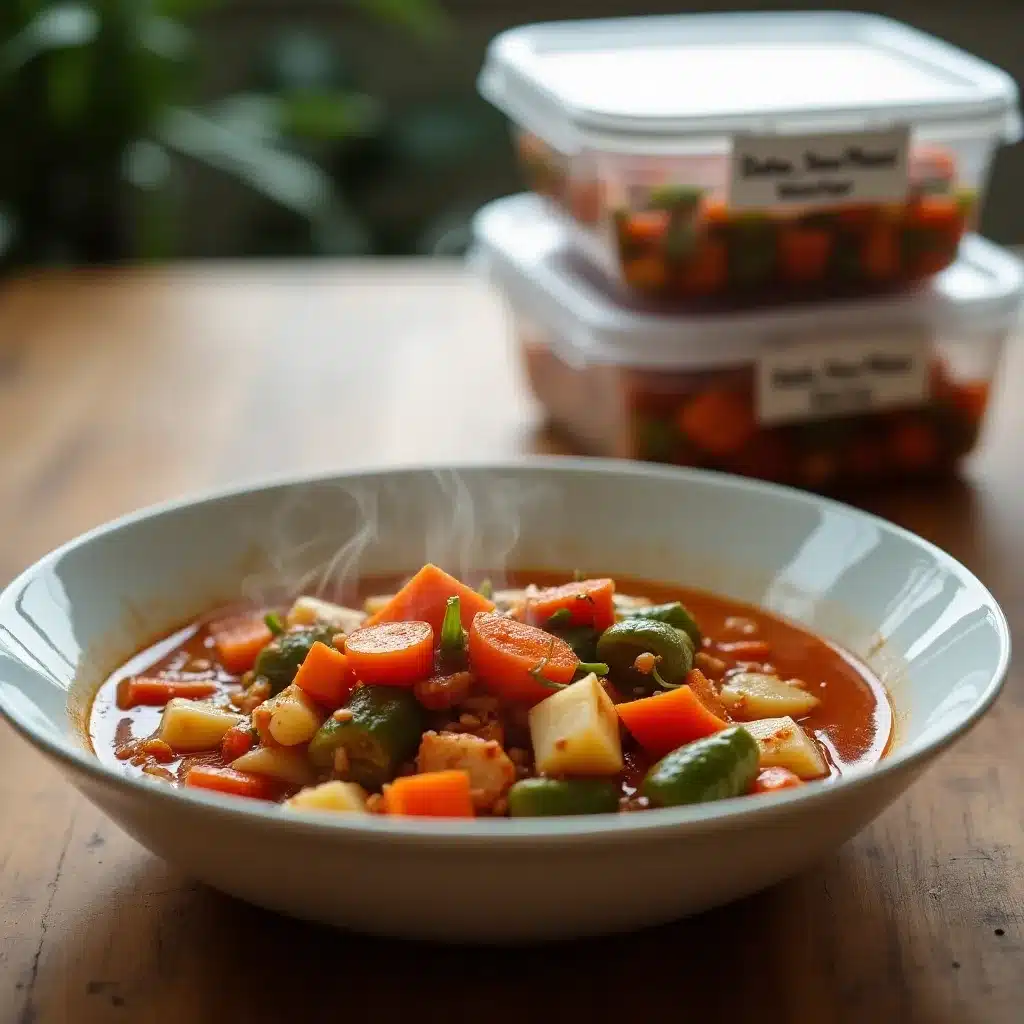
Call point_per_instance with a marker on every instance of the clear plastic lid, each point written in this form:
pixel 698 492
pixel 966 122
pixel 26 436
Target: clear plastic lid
pixel 648 85
pixel 526 252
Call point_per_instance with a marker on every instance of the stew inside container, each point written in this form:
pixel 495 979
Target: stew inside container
pixel 739 155
pixel 815 394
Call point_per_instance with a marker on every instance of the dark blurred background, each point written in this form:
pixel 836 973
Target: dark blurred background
pixel 154 129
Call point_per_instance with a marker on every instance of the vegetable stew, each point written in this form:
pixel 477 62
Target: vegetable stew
pixel 680 239
pixel 557 697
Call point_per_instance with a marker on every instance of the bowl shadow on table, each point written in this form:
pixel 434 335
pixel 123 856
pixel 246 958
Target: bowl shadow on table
pixel 776 956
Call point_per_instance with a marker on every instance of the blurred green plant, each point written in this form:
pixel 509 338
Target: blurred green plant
pixel 98 113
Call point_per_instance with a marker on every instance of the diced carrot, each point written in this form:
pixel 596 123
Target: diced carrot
pixel 645 273
pixel 443 794
pixel 771 780
pixel 425 598
pixel 645 226
pixel 971 397
pixel 506 656
pixel 720 422
pixel 707 271
pixel 707 694
pixel 588 602
pixel 391 653
pixel 804 253
pixel 230 780
pixel 142 690
pixel 914 446
pixel 325 675
pixel 745 650
pixel 239 640
pixel 880 257
pixel 715 211
pixel 668 720
pixel 942 213
pixel 238 740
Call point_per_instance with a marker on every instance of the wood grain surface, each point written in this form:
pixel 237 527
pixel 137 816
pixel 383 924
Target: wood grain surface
pixel 122 388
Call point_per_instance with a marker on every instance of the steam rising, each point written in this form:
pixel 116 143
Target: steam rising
pixel 322 538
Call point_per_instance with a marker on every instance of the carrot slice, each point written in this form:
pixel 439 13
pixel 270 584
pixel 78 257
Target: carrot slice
pixel 745 650
pixel 442 794
pixel 141 690
pixel 239 640
pixel 644 226
pixel 771 780
pixel 425 597
pixel 391 653
pixel 668 720
pixel 505 655
pixel 588 603
pixel 230 780
pixel 238 740
pixel 325 675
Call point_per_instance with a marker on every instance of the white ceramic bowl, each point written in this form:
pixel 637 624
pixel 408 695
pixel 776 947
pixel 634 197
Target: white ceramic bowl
pixel 930 629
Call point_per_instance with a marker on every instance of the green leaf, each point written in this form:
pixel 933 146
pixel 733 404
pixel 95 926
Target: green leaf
pixel 166 38
pixel 423 18
pixel 281 177
pixel 59 27
pixel 329 116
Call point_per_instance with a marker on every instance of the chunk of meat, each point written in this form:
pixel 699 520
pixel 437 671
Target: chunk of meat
pixel 491 771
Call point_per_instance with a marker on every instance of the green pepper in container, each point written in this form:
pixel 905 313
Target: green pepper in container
pixel 378 730
pixel 753 250
pixel 714 768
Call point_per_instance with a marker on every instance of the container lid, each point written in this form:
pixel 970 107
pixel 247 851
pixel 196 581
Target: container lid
pixel 526 251
pixel 648 85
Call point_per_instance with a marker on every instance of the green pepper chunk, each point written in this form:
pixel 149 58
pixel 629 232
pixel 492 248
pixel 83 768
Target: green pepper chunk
pixel 675 614
pixel 714 768
pixel 621 644
pixel 451 652
pixel 280 659
pixel 582 639
pixel 539 798
pixel 383 731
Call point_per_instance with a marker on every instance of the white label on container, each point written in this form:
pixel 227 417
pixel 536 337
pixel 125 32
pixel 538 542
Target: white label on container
pixel 812 380
pixel 818 170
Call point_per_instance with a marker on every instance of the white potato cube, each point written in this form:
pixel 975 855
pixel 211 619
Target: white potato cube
pixel 334 796
pixel 190 726
pixel 294 717
pixel 374 604
pixel 309 611
pixel 286 764
pixel 491 771
pixel 785 745
pixel 576 731
pixel 750 695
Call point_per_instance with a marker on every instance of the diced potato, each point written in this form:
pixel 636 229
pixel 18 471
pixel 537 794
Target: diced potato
pixel 750 695
pixel 189 726
pixel 290 718
pixel 338 797
pixel 491 771
pixel 624 604
pixel 310 611
pixel 286 764
pixel 576 731
pixel 374 604
pixel 785 745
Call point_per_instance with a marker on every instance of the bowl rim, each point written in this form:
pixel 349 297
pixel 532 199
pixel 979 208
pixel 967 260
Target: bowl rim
pixel 724 814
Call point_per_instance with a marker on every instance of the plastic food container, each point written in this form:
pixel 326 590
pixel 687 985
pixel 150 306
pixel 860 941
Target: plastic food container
pixel 815 394
pixel 729 157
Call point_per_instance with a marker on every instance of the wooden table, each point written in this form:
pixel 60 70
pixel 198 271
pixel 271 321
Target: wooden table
pixel 120 389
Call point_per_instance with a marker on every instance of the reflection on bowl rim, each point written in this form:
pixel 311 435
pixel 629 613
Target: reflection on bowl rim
pixel 607 828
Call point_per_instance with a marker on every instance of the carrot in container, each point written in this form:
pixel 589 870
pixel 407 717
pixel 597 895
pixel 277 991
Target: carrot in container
pixel 804 253
pixel 444 794
pixel 391 653
pixel 238 640
pixel 719 422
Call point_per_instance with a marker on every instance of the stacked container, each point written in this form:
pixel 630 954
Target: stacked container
pixel 747 244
